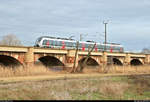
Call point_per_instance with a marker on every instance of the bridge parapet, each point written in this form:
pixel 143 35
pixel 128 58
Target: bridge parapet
pixel 28 55
pixel 13 49
pixel 48 50
pixel 92 53
pixel 116 54
pixel 138 55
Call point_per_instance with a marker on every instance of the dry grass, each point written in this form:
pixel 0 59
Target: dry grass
pixel 76 89
pixel 41 70
pixel 130 69
pixel 114 89
pixel 30 71
pixel 82 88
pixel 145 69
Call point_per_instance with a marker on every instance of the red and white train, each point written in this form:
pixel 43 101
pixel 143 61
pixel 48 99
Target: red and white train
pixel 64 43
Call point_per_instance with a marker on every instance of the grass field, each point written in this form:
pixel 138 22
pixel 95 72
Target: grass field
pixel 100 88
pixel 38 83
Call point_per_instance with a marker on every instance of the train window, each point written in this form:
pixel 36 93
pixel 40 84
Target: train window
pixel 115 48
pixel 71 44
pixel 91 45
pixel 74 44
pixel 99 46
pixel 103 47
pixel 67 44
pixel 108 47
pixel 86 45
pixel 51 42
pixel 39 39
pixel 44 42
pixel 54 43
pixel 59 43
pixel 80 45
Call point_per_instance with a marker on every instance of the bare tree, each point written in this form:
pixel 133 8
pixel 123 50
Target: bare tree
pixel 11 40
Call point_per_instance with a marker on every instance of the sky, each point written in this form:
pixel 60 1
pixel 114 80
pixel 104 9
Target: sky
pixel 128 20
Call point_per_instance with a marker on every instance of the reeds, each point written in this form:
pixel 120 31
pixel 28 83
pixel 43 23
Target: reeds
pixel 145 69
pixel 26 71
pixel 42 70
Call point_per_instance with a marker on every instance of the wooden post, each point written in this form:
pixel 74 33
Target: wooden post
pixel 74 66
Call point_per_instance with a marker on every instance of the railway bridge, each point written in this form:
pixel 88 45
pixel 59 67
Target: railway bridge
pixel 20 55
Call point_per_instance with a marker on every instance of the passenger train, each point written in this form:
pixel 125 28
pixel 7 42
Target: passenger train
pixel 64 43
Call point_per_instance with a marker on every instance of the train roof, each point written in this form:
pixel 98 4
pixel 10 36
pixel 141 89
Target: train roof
pixel 55 38
pixel 112 43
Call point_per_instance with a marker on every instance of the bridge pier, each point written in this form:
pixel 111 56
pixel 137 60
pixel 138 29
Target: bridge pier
pixel 147 59
pixel 70 58
pixel 127 59
pixel 29 57
pixel 104 59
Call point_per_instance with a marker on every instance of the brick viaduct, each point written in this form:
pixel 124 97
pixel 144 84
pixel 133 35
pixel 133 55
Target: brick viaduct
pixel 14 55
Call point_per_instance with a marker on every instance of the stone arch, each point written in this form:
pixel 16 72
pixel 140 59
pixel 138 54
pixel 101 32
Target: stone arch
pixel 135 62
pixel 50 61
pixel 116 61
pixel 90 62
pixel 9 61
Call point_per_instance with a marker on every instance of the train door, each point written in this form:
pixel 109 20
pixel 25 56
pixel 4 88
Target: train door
pixel 83 47
pixel 52 43
pixel 100 47
pixel 121 49
pixel 111 49
pixel 63 45
pixel 96 47
pixel 47 43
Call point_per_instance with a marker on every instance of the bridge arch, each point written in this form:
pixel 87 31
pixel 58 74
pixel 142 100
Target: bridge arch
pixel 116 61
pixel 9 61
pixel 135 62
pixel 50 61
pixel 90 62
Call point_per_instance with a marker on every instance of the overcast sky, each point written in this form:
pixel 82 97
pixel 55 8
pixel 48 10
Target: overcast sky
pixel 129 20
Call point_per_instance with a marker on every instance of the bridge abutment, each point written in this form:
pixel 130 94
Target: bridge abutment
pixel 104 58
